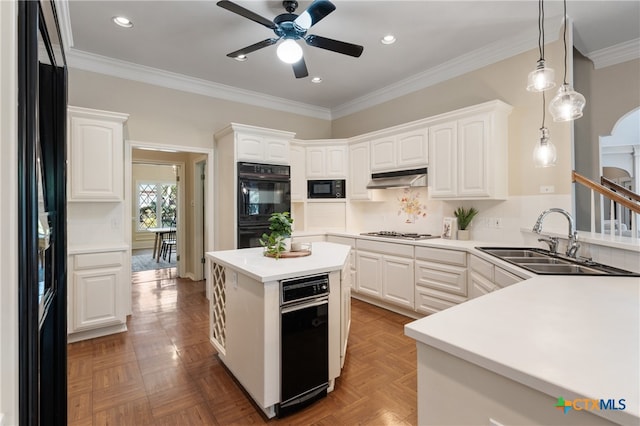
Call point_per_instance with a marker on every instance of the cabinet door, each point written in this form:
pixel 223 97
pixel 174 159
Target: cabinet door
pixel 473 152
pixel 359 171
pixel 369 273
pixel 412 149
pixel 315 162
pixel 480 285
pixel 336 161
pixel 298 177
pixel 383 154
pixel 276 151
pixel 96 160
pixel 250 148
pixel 397 280
pixel 444 167
pixel 97 298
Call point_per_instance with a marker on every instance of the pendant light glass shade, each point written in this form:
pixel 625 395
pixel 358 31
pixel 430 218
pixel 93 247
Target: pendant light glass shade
pixel 544 154
pixel 567 104
pixel 289 51
pixel 541 78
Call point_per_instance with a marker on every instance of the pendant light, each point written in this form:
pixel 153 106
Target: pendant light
pixel 542 77
pixel 544 154
pixel 567 104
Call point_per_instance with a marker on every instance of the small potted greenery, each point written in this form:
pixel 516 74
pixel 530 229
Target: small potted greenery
pixel 279 240
pixel 464 216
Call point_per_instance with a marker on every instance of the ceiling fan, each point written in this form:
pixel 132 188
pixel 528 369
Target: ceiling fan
pixel 291 27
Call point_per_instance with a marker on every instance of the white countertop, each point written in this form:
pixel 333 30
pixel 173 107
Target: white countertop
pixel 324 257
pixel 575 337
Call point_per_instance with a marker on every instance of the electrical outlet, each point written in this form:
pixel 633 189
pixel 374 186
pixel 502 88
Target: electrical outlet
pixel 491 222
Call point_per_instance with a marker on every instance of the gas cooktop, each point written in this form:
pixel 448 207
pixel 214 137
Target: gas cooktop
pixel 401 235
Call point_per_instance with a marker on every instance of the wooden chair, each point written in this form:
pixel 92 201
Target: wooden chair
pixel 168 244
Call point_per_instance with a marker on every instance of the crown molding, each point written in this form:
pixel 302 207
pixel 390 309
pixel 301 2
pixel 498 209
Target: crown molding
pixel 477 59
pixel 623 52
pixel 127 70
pixel 64 21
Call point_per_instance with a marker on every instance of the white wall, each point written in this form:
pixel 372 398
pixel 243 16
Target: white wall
pixel 8 215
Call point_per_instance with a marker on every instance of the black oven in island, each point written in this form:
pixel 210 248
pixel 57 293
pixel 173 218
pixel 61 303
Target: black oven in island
pixel 263 189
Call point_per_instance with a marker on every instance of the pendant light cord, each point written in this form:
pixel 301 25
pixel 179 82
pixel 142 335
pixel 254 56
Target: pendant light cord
pixel 565 41
pixel 541 29
pixel 544 104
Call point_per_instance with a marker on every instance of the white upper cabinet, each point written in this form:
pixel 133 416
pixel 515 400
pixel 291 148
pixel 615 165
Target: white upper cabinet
pixel 469 154
pixel 403 150
pixel 96 155
pixel 262 147
pixel 359 171
pixel 298 176
pixel 326 161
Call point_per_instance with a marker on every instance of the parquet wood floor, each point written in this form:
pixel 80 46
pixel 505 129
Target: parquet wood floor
pixel 164 371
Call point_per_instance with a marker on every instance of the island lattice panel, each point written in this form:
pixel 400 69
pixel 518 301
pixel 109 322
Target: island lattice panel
pixel 217 307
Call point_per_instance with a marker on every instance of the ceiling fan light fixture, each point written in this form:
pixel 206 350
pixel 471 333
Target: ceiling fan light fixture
pixel 122 21
pixel 289 51
pixel 388 39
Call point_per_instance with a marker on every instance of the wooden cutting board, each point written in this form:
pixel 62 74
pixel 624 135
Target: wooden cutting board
pixel 290 254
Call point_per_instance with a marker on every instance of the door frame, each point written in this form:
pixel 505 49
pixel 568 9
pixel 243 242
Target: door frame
pixel 209 185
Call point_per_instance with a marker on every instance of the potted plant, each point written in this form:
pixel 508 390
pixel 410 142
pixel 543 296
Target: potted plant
pixel 464 217
pixel 279 240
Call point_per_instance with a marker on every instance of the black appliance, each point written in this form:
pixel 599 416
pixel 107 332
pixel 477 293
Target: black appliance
pixel 262 189
pixel 327 188
pixel 400 235
pixel 304 342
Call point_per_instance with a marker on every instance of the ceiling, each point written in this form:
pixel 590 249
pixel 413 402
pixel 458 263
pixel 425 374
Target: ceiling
pixel 192 38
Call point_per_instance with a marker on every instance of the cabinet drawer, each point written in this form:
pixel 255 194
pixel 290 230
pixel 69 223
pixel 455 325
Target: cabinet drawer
pixel 405 250
pixel 452 257
pixel 98 260
pixel 448 278
pixel 504 278
pixel 427 301
pixel 482 267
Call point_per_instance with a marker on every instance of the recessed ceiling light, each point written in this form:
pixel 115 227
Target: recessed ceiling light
pixel 241 58
pixel 388 39
pixel 122 21
pixel 316 80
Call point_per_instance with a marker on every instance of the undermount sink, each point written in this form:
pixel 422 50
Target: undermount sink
pixel 543 262
pixel 562 269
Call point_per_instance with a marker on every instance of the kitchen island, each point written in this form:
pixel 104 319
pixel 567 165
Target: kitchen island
pixel 510 355
pixel 245 299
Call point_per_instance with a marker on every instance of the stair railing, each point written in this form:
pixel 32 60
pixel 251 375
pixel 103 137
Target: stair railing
pixel 619 198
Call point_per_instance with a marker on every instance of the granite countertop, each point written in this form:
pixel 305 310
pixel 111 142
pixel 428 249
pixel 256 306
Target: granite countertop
pixel 325 257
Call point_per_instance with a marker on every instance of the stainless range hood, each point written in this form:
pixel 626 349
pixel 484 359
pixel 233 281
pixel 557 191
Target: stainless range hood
pixel 399 179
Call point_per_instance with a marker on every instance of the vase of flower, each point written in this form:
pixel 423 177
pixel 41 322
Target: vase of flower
pixel 279 240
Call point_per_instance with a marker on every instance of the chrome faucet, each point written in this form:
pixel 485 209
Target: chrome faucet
pixel 552 242
pixel 574 245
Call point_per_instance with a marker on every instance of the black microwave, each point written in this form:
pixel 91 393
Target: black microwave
pixel 334 188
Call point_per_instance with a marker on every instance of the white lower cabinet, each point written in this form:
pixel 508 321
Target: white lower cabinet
pixel 440 279
pixel 397 272
pixel 487 277
pixel 97 294
pixel 385 272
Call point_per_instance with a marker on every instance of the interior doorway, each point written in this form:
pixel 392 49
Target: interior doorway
pixel 194 222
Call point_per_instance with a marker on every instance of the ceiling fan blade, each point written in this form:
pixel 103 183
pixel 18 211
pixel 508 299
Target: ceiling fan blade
pixel 334 45
pixel 253 47
pixel 314 13
pixel 300 69
pixel 235 8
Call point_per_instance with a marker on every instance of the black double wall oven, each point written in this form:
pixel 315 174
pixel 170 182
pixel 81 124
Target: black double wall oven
pixel 262 189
